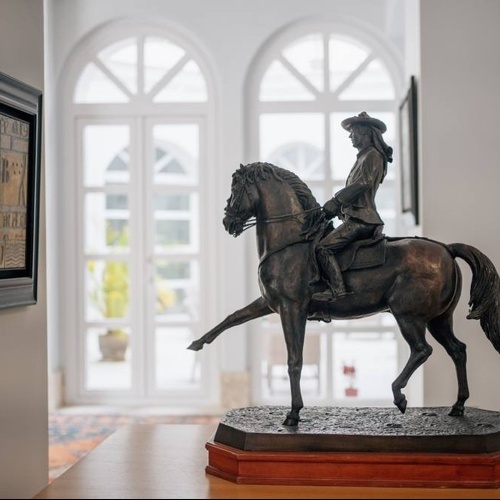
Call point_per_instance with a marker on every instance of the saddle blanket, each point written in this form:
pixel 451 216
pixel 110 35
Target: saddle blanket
pixel 362 254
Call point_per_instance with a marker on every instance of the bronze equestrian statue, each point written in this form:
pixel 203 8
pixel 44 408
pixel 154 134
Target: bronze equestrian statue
pixel 415 279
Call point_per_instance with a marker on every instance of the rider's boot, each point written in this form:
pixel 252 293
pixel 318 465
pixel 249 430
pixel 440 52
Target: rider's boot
pixel 333 276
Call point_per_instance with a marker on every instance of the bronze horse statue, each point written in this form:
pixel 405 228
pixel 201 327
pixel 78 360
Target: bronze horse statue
pixel 419 282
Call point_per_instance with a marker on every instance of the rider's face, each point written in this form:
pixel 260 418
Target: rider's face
pixel 358 139
pixel 355 137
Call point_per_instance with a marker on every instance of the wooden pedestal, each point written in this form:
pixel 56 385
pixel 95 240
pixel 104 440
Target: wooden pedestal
pixel 354 469
pixel 374 447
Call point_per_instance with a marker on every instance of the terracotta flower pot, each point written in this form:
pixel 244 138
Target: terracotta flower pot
pixel 113 345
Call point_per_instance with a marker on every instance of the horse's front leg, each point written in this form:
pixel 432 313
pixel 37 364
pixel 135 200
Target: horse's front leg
pixel 293 321
pixel 255 309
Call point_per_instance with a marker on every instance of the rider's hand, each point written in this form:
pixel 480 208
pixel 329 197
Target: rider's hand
pixel 331 208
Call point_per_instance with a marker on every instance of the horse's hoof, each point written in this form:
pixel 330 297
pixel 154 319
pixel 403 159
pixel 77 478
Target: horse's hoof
pixel 401 403
pixel 196 345
pixel 456 412
pixel 291 422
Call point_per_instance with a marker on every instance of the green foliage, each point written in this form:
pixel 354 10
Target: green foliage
pixel 115 287
pixel 110 291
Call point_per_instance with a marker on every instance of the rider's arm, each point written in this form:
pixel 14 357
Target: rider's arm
pixel 348 194
pixel 369 174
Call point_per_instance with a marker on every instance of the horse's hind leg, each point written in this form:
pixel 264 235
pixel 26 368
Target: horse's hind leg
pixel 441 329
pixel 413 331
pixel 255 309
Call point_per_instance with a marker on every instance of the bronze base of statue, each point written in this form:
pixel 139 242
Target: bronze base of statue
pixel 358 447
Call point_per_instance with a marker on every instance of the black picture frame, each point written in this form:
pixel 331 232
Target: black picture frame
pixel 20 164
pixel 408 133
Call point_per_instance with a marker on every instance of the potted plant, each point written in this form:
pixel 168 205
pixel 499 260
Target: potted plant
pixel 111 296
pixel 114 343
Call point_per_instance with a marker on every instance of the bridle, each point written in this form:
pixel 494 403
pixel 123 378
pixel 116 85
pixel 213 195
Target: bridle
pixel 252 221
pixel 277 218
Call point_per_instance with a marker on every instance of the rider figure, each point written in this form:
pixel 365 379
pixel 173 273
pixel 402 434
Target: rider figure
pixel 355 203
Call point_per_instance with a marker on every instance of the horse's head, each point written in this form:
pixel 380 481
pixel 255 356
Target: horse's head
pixel 240 205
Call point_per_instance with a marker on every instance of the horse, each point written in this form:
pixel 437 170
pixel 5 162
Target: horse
pixel 419 282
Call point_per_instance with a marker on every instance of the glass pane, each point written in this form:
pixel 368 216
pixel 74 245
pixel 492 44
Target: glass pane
pixel 307 56
pixel 108 360
pixel 107 290
pixel 176 202
pixel 176 366
pixel 176 154
pixel 160 56
pixel 373 84
pixel 188 85
pixel 344 58
pixel 172 234
pixel 105 155
pixel 14 184
pixel 177 289
pixel 365 364
pixel 294 141
pixel 94 86
pixel 176 222
pixel 121 59
pixel 278 84
pixel 106 223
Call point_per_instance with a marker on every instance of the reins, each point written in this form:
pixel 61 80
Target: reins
pixel 277 218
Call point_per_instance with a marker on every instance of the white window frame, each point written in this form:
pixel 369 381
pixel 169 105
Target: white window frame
pixel 70 318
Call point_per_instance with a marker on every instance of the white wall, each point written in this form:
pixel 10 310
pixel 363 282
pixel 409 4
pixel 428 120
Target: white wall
pixel 23 330
pixel 459 86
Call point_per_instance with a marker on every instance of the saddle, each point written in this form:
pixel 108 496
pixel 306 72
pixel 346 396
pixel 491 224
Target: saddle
pixel 363 253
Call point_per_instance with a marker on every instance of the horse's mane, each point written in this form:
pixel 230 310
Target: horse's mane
pixel 262 171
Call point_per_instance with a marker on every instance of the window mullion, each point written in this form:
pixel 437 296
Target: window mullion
pixel 326 64
pixel 140 65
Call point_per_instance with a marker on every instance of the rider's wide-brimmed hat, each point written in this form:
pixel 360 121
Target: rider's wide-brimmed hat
pixel 363 119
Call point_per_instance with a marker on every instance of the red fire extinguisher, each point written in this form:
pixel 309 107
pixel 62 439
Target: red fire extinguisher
pixel 350 372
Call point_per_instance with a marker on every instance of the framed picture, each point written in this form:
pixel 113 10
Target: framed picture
pixel 20 163
pixel 409 151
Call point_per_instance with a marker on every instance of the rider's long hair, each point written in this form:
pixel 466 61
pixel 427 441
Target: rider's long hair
pixel 379 144
pixel 384 149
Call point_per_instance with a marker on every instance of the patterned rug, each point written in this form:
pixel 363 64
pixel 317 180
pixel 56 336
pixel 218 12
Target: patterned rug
pixel 71 437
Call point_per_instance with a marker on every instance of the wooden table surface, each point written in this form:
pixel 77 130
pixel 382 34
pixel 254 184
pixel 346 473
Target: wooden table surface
pixel 168 461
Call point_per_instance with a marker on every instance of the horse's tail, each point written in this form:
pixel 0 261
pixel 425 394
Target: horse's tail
pixel 484 303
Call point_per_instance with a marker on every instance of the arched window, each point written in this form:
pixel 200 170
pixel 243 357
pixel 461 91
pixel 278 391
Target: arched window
pixel 140 105
pixel 302 85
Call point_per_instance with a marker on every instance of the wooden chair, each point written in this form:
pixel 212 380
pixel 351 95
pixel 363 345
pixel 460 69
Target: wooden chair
pixel 276 355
